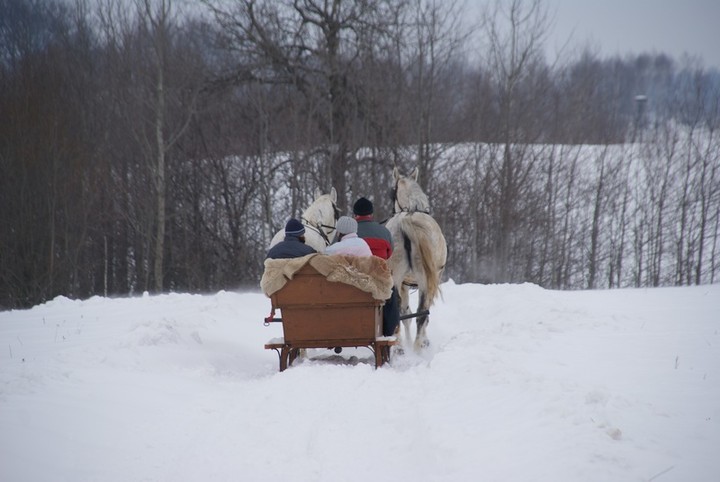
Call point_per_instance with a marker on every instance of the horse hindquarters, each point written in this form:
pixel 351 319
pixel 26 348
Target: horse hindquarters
pixel 426 251
pixel 418 259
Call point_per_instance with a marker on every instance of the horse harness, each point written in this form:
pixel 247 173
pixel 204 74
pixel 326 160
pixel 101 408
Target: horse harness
pixel 318 227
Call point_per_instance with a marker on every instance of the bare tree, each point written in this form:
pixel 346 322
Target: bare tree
pixel 156 97
pixel 437 36
pixel 515 34
pixel 159 23
pixel 313 46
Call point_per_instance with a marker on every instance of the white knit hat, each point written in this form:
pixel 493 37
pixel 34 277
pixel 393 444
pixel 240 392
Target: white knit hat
pixel 346 225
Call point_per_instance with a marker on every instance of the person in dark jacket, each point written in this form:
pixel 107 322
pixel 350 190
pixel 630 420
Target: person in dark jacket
pixel 379 239
pixel 293 246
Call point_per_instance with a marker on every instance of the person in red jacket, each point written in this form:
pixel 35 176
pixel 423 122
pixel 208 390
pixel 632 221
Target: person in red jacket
pixel 379 239
pixel 375 234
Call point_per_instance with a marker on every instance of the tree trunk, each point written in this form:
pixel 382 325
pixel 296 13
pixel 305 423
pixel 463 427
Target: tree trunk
pixel 595 230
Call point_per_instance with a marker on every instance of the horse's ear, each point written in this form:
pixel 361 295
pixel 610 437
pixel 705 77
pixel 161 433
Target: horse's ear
pixel 396 173
pixel 333 195
pixel 414 174
pixel 318 192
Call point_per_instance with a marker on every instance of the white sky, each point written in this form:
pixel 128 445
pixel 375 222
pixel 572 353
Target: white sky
pixel 625 27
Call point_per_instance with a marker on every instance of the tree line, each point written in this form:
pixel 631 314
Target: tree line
pixel 152 145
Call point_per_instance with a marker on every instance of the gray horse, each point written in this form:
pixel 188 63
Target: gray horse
pixel 419 251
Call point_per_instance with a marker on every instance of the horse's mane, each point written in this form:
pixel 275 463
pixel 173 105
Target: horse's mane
pixel 414 199
pixel 322 209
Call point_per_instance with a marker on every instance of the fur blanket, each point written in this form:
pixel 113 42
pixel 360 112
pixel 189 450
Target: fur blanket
pixel 370 274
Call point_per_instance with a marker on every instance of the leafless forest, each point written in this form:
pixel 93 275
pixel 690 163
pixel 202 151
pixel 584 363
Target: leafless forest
pixel 157 145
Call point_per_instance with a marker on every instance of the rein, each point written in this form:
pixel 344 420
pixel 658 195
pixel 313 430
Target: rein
pixel 403 210
pixel 318 229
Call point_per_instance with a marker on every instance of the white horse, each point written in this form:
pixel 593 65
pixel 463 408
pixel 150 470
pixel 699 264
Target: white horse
pixel 419 251
pixel 319 219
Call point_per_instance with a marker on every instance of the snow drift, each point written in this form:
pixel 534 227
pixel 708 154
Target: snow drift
pixel 519 384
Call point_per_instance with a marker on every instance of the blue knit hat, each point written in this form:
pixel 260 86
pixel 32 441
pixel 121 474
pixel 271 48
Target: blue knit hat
pixel 294 228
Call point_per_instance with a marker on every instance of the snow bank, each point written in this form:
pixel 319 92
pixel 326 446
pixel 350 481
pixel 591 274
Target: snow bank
pixel 519 384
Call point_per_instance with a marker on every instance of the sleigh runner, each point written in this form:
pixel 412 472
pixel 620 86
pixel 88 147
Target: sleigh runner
pixel 328 302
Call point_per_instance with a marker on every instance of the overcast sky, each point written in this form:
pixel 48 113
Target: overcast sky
pixel 635 26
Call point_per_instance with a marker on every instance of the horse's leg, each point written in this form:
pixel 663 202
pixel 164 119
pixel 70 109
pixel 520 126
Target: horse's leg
pixel 405 309
pixel 421 340
pixel 404 302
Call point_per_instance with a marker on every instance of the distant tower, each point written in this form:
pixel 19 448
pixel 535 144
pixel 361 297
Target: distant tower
pixel 640 120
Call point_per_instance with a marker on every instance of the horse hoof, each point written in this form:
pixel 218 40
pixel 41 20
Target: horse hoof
pixel 422 345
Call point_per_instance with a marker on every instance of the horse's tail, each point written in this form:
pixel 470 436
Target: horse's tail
pixel 418 243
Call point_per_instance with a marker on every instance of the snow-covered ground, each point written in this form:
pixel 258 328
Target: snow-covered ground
pixel 520 384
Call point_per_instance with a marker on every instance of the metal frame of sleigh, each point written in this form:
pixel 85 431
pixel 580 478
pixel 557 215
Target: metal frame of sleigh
pixel 328 302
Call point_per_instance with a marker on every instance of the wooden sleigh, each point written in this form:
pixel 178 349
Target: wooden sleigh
pixel 317 313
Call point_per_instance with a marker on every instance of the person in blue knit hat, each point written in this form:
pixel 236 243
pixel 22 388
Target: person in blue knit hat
pixel 293 246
